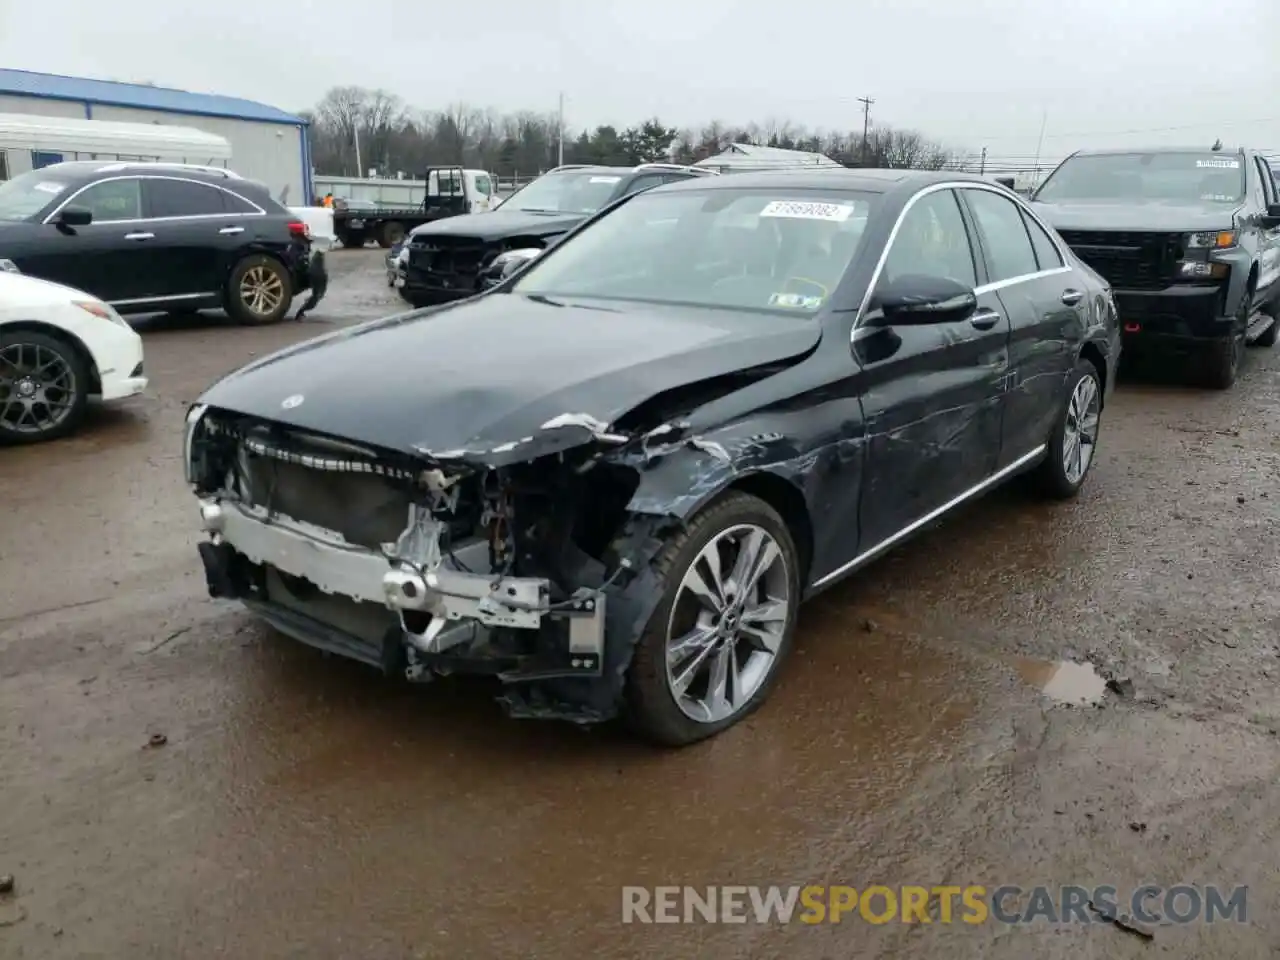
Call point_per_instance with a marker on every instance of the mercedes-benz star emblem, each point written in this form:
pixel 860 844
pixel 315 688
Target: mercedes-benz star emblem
pixel 288 403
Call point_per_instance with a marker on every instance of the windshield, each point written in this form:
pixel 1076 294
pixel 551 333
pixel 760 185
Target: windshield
pixel 1179 177
pixel 573 191
pixel 27 194
pixel 774 250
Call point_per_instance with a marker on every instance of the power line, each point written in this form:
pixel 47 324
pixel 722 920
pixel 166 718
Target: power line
pixel 1211 125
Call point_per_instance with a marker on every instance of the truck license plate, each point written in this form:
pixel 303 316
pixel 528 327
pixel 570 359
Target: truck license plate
pixel 357 223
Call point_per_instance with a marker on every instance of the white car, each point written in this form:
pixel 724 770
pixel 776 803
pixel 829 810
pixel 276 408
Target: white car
pixel 58 347
pixel 319 221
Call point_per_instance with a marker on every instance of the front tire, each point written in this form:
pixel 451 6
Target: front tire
pixel 259 291
pixel 44 387
pixel 416 301
pixel 714 646
pixel 1074 439
pixel 1222 364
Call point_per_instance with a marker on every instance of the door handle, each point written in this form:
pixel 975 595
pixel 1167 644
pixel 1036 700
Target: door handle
pixel 1071 297
pixel 984 319
pixel 139 236
pixel 230 230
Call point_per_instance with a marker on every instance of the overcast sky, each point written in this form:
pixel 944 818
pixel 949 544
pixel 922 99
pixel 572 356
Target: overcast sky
pixel 973 73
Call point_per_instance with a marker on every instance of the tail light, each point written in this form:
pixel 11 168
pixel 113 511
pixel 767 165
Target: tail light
pixel 299 229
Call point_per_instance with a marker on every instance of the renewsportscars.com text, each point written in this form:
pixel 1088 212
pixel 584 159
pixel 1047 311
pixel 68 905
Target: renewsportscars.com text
pixel 946 904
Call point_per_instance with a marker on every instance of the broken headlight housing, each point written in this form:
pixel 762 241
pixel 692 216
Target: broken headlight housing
pixel 506 264
pixel 194 416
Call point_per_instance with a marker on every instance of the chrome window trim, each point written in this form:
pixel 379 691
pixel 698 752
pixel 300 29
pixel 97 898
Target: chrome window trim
pixel 140 177
pixel 984 288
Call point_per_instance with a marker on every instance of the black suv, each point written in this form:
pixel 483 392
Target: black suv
pixel 457 257
pixel 1188 239
pixel 150 237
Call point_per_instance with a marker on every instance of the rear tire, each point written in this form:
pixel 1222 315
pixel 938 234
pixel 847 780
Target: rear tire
pixel 1071 454
pixel 44 387
pixel 259 291
pixel 653 708
pixel 390 234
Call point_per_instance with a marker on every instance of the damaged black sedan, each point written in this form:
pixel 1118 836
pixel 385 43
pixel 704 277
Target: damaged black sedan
pixel 611 480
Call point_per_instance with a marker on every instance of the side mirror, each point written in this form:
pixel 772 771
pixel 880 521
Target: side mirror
pixel 1272 217
pixel 915 299
pixel 75 217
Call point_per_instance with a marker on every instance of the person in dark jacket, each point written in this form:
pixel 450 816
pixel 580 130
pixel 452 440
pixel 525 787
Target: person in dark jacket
pixel 319 283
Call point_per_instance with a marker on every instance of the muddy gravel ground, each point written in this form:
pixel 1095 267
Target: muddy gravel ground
pixel 178 781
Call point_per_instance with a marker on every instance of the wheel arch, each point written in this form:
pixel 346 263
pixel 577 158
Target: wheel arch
pixel 1092 352
pixel 246 253
pixel 62 335
pixel 703 479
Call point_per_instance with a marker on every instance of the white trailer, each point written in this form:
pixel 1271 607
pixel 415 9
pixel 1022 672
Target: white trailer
pixel 28 142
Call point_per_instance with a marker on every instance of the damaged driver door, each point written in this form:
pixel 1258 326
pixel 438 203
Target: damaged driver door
pixel 932 384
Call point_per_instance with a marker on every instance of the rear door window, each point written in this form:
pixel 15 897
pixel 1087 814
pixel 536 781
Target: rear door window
pixel 1047 254
pixel 182 198
pixel 237 204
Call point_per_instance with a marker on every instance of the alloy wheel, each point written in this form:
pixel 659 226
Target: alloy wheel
pixel 37 388
pixel 261 290
pixel 1081 433
pixel 728 620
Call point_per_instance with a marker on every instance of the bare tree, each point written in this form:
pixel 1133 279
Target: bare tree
pixel 400 140
pixel 342 110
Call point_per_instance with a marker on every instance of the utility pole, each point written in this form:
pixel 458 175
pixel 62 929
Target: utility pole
pixel 1044 122
pixel 982 168
pixel 355 135
pixel 560 139
pixel 866 124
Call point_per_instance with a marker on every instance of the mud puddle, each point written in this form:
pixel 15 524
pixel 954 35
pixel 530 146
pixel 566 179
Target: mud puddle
pixel 1064 681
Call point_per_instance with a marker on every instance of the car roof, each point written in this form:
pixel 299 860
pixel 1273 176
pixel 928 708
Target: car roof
pixel 864 179
pixel 86 168
pixel 1130 151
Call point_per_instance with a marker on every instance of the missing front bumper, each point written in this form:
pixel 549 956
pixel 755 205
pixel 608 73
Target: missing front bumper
pixel 448 618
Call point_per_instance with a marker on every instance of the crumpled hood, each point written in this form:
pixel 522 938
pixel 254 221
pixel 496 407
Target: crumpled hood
pixel 483 377
pixel 1152 216
pixel 500 224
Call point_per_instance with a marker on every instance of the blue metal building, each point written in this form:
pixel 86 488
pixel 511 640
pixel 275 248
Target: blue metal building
pixel 267 144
